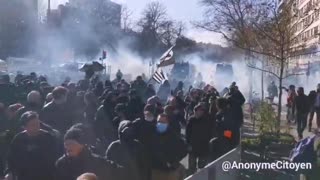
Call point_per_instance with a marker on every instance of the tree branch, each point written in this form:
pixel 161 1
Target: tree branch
pixel 295 74
pixel 263 70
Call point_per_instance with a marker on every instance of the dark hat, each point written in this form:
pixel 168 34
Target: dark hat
pixel 75 134
pixel 150 108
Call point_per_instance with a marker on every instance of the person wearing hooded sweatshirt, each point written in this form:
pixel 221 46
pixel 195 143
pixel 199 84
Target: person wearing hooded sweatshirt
pixel 199 131
pixel 145 127
pixel 32 152
pixel 78 159
pixel 130 153
pixel 168 149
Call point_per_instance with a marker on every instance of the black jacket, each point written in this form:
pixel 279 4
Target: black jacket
pixel 70 168
pixel 59 117
pixel 33 158
pixel 199 132
pixel 302 104
pixel 168 150
pixel 236 101
pixel 132 156
pixel 145 132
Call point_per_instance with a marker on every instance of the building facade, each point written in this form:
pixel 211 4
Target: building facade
pixel 306 28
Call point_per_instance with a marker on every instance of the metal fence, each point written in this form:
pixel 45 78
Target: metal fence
pixel 214 170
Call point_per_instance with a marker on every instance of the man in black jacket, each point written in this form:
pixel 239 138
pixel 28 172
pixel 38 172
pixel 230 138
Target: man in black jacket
pixel 32 152
pixel 199 132
pixel 78 160
pixel 167 151
pixel 302 109
pixel 130 153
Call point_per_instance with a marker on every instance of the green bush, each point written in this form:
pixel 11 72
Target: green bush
pixel 267 121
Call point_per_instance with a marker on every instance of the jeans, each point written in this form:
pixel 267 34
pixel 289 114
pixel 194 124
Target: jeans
pixel 301 122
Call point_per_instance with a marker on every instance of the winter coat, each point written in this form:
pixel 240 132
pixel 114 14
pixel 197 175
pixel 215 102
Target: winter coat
pixel 33 158
pixel 236 101
pixel 199 132
pixel 59 117
pixel 68 168
pixel 168 150
pixel 145 131
pixel 302 104
pixel 132 156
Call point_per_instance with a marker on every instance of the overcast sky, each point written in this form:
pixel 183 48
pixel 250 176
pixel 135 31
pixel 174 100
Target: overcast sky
pixel 182 10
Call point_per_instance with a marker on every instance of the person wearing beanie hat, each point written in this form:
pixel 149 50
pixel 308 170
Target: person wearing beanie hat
pixel 78 159
pixel 130 153
pixel 33 152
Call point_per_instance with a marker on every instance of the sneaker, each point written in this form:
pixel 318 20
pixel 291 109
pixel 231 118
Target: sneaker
pixel 300 136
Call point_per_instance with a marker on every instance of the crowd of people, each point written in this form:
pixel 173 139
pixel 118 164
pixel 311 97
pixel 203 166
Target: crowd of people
pixel 113 129
pixel 301 107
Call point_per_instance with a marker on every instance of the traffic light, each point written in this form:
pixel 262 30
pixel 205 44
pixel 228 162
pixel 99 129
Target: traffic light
pixel 104 54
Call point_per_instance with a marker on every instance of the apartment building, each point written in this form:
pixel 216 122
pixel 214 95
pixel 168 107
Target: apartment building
pixel 306 27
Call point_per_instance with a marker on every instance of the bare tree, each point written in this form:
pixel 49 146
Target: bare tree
pixel 171 31
pixel 126 21
pixel 261 28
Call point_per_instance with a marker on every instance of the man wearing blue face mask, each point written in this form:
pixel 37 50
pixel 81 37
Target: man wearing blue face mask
pixel 169 149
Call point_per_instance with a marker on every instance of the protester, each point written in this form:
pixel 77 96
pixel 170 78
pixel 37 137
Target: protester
pixel 290 103
pixel 168 150
pixel 119 121
pixel 225 128
pixel 78 160
pixel 130 153
pixel 302 109
pixel 236 101
pixel 199 132
pixel 32 152
pixel 273 91
pixel 315 107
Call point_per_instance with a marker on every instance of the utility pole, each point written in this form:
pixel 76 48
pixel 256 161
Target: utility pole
pixel 49 10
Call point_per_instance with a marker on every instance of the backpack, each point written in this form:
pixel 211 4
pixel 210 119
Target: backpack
pixel 304 151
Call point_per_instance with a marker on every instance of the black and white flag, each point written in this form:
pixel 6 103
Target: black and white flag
pixel 167 58
pixel 159 76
